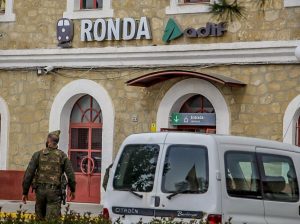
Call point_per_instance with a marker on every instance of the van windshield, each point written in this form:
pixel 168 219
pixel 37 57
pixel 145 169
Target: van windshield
pixel 185 170
pixel 136 168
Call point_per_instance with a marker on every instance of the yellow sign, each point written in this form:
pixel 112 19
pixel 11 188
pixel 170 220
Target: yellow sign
pixel 153 127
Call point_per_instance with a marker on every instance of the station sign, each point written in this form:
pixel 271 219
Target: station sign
pixel 126 29
pixel 197 119
pixel 115 29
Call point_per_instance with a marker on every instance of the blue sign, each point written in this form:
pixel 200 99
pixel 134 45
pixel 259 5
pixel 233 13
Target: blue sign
pixel 197 119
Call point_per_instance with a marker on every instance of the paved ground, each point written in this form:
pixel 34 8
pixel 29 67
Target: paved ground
pixel 13 206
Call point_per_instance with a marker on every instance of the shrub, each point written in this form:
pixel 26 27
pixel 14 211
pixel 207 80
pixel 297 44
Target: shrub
pixel 71 217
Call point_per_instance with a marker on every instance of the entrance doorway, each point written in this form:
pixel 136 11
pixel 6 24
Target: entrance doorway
pixel 193 106
pixel 85 148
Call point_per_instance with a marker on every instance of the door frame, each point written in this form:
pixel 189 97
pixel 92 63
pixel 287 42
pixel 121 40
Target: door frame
pixel 61 111
pixel 234 203
pixel 278 205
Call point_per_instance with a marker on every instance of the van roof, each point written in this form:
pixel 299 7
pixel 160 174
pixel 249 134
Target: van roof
pixel 159 137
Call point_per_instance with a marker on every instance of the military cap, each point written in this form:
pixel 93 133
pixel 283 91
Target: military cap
pixel 55 133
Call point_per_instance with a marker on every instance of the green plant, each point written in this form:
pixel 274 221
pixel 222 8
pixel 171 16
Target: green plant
pixel 224 11
pixel 230 10
pixel 71 217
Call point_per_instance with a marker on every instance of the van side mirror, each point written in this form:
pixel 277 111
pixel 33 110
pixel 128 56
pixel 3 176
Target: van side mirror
pixel 106 177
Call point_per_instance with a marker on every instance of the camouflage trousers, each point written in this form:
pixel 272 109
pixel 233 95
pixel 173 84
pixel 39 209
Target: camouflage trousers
pixel 48 203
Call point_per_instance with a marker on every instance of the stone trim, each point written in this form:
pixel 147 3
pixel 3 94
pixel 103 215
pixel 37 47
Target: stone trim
pixel 61 111
pixel 177 8
pixel 9 15
pixel 291 3
pixel 181 91
pixel 4 133
pixel 263 52
pixel 73 11
pixel 290 119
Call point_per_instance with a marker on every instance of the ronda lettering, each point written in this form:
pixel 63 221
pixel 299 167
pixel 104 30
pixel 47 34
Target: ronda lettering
pixel 115 29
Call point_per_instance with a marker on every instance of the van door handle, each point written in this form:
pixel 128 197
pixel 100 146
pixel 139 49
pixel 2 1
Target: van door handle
pixel 156 201
pixel 299 210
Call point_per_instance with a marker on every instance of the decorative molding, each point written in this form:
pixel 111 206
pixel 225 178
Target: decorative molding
pixel 187 8
pixel 73 11
pixel 182 91
pixel 9 15
pixel 291 3
pixel 290 119
pixel 63 105
pixel 263 52
pixel 4 133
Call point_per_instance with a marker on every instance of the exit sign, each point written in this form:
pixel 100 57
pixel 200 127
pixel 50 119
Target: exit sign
pixel 197 119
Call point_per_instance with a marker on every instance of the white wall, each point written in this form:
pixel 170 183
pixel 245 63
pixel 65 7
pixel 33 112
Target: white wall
pixel 4 135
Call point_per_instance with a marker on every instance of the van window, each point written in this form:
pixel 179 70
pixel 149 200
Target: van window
pixel 136 168
pixel 185 169
pixel 279 178
pixel 242 177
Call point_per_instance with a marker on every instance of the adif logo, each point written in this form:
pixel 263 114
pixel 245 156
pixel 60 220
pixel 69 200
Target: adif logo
pixel 65 32
pixel 172 31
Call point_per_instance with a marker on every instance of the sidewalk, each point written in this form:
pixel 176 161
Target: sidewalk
pixel 13 206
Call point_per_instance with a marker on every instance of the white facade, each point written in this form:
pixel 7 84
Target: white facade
pixel 258 52
pixel 4 133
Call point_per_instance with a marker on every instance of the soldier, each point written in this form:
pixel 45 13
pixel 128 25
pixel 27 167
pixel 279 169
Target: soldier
pixel 46 169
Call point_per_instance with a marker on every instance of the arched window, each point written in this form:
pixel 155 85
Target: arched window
pixel 86 110
pixel 195 114
pixel 85 148
pixel 197 104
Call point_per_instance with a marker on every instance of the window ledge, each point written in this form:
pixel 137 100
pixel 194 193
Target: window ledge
pixel 7 17
pixel 187 8
pixel 291 3
pixel 89 14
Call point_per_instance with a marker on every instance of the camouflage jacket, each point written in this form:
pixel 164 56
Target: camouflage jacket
pixel 47 166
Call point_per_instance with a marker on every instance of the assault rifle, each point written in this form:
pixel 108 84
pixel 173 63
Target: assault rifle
pixel 64 184
pixel 33 185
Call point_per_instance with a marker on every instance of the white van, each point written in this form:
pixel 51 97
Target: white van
pixel 188 176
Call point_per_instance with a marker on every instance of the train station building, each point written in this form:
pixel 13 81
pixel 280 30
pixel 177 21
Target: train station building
pixel 102 70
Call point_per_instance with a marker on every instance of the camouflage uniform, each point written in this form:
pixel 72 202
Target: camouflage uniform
pixel 46 169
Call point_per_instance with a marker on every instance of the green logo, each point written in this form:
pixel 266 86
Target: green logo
pixel 172 31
